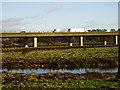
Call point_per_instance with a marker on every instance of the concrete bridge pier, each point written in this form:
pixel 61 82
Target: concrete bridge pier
pixel 105 42
pixel 35 42
pixel 81 41
pixel 116 40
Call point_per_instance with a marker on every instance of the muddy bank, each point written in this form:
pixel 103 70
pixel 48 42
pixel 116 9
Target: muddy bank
pixel 72 63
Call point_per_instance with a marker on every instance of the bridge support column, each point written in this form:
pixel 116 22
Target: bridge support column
pixel 81 41
pixel 105 42
pixel 35 41
pixel 116 40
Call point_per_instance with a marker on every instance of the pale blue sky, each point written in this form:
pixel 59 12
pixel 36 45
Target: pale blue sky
pixel 46 16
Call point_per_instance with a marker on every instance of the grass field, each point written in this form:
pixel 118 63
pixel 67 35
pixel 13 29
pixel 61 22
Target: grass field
pixel 56 80
pixel 62 58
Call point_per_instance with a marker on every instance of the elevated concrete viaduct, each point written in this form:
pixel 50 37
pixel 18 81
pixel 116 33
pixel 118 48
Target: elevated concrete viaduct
pixel 81 35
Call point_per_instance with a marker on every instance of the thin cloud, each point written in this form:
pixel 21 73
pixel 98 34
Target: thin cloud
pixel 13 24
pixel 18 19
pixel 53 8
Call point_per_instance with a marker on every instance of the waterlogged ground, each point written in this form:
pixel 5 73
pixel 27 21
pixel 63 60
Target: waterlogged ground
pixel 62 58
pixel 32 81
pixel 80 70
pixel 67 58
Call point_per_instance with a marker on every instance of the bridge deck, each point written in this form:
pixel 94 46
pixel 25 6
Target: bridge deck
pixel 56 34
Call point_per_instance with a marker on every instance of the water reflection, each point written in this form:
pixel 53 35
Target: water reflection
pixel 80 70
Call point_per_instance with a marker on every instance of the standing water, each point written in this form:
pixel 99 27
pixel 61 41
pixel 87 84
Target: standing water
pixel 80 70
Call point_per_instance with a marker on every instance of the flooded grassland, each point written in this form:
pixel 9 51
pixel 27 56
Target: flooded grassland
pixel 102 57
